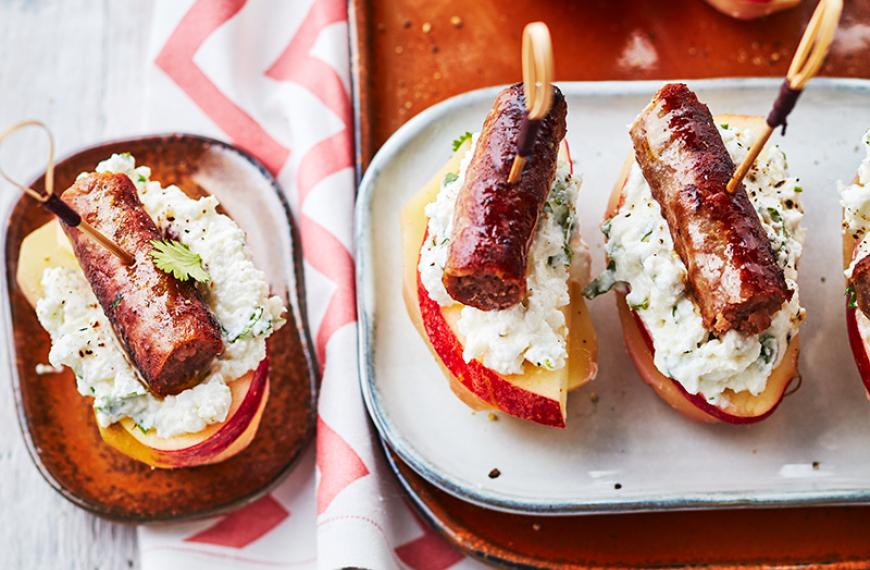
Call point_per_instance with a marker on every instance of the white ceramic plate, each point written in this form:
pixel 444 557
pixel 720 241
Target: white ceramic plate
pixel 629 451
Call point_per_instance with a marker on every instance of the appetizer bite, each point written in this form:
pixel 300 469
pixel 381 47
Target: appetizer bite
pixel 706 279
pixel 493 271
pixel 171 348
pixel 855 199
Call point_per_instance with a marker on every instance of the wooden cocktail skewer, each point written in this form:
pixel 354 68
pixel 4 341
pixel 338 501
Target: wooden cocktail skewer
pixel 55 205
pixel 806 63
pixel 537 88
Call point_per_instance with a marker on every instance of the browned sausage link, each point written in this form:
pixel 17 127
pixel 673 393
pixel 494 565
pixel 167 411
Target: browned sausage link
pixel 168 331
pixel 732 270
pixel 860 282
pixel 494 222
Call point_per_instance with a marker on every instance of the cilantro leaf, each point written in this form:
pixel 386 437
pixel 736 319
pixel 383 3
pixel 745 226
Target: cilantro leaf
pixel 601 284
pixel 774 215
pixel 175 258
pixel 768 348
pixel 462 138
pixel 248 329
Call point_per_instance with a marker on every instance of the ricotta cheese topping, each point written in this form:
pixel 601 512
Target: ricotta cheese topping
pixel 855 199
pixel 642 259
pixel 535 330
pixel 237 294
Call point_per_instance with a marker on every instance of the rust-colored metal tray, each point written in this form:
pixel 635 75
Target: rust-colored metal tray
pixel 58 424
pixel 410 54
pixel 831 537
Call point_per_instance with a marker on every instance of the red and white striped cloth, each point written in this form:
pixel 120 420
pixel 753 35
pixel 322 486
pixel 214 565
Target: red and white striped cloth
pixel 272 76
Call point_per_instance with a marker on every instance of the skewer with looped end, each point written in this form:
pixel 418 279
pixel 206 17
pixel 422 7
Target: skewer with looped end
pixel 806 63
pixel 49 200
pixel 537 89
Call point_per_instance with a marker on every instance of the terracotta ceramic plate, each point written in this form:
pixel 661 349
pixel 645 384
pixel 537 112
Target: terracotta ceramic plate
pixel 59 425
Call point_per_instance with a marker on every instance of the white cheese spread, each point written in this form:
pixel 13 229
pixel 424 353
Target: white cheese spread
pixel 535 330
pixel 237 294
pixel 642 256
pixel 855 199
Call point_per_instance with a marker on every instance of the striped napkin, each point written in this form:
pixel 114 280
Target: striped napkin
pixel 272 77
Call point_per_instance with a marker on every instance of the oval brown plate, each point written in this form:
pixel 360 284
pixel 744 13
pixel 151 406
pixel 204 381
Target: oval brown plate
pixel 58 424
pixel 832 537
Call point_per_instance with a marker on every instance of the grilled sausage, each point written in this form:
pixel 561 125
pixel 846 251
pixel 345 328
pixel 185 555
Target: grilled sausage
pixel 732 270
pixel 494 222
pixel 169 333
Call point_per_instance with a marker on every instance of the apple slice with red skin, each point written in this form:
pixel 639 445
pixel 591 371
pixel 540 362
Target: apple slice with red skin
pixel 740 407
pixel 213 444
pixel 510 395
pixel 537 395
pixel 859 346
pixel 47 247
pixel 737 407
pixel 751 9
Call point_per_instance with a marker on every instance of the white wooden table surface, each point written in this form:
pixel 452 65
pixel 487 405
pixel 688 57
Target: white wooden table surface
pixel 77 65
